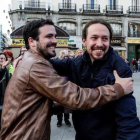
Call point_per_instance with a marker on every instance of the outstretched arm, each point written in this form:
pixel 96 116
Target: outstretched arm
pixel 68 94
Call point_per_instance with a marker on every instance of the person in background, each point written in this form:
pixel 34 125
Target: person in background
pixel 4 79
pixel 138 64
pixel 127 61
pixel 22 50
pixel 132 61
pixel 79 52
pixel 64 54
pixel 10 58
pixel 135 66
pixel 71 54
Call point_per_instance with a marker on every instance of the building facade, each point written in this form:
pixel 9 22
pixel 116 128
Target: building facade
pixel 72 15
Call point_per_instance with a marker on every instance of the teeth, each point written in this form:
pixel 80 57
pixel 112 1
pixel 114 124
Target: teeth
pixel 98 50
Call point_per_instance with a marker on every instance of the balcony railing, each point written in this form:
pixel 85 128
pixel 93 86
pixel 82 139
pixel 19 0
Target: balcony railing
pixel 114 9
pixel 39 6
pixel 134 9
pixel 67 7
pixel 133 34
pixel 117 32
pixel 90 8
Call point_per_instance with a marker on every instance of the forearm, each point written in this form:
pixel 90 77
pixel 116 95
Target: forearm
pixel 69 94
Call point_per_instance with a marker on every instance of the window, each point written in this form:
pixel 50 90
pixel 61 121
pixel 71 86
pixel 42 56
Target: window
pixel 117 29
pixel 90 4
pixel 34 3
pixel 68 27
pixel 135 3
pixel 113 4
pixel 134 29
pixel 67 3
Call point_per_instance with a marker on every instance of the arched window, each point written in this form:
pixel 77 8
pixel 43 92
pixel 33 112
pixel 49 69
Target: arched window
pixel 134 29
pixel 117 29
pixel 68 27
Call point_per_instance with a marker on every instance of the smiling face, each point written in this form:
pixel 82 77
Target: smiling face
pixel 2 59
pixel 97 41
pixel 46 43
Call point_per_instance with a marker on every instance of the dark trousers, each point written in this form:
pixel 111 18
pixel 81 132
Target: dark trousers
pixel 60 116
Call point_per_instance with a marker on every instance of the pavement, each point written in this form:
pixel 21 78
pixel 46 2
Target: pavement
pixel 68 133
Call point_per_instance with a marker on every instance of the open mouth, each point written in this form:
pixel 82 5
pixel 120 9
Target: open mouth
pixel 98 50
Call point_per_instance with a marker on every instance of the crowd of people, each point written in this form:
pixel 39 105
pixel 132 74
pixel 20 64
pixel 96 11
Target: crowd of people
pixel 101 100
pixel 135 65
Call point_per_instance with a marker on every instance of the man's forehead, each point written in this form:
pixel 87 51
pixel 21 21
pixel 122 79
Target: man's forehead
pixel 98 27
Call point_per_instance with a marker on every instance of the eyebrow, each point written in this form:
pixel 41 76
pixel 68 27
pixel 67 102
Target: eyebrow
pixel 97 35
pixel 51 34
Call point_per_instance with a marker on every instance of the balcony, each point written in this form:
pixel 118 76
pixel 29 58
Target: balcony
pixel 117 33
pixel 114 9
pixel 133 34
pixel 35 6
pixel 134 9
pixel 67 7
pixel 90 8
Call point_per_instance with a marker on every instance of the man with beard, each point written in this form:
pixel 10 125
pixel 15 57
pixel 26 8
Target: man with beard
pixel 117 120
pixel 28 99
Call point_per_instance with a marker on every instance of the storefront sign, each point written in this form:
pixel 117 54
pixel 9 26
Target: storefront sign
pixel 60 42
pixel 117 40
pixel 71 41
pixel 137 41
pixel 18 42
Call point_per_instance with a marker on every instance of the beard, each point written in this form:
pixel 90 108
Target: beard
pixel 44 51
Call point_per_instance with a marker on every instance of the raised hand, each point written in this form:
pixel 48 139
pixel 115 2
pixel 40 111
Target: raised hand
pixel 126 83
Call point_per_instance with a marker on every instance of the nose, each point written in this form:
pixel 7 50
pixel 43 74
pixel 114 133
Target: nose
pixel 99 42
pixel 54 40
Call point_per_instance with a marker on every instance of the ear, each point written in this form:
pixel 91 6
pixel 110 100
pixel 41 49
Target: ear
pixel 84 42
pixel 32 43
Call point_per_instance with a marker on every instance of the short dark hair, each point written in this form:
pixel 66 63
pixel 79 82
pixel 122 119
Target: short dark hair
pixel 95 21
pixel 31 29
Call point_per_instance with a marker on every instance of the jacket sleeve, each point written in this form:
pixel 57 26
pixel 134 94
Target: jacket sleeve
pixel 125 109
pixel 62 66
pixel 47 82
